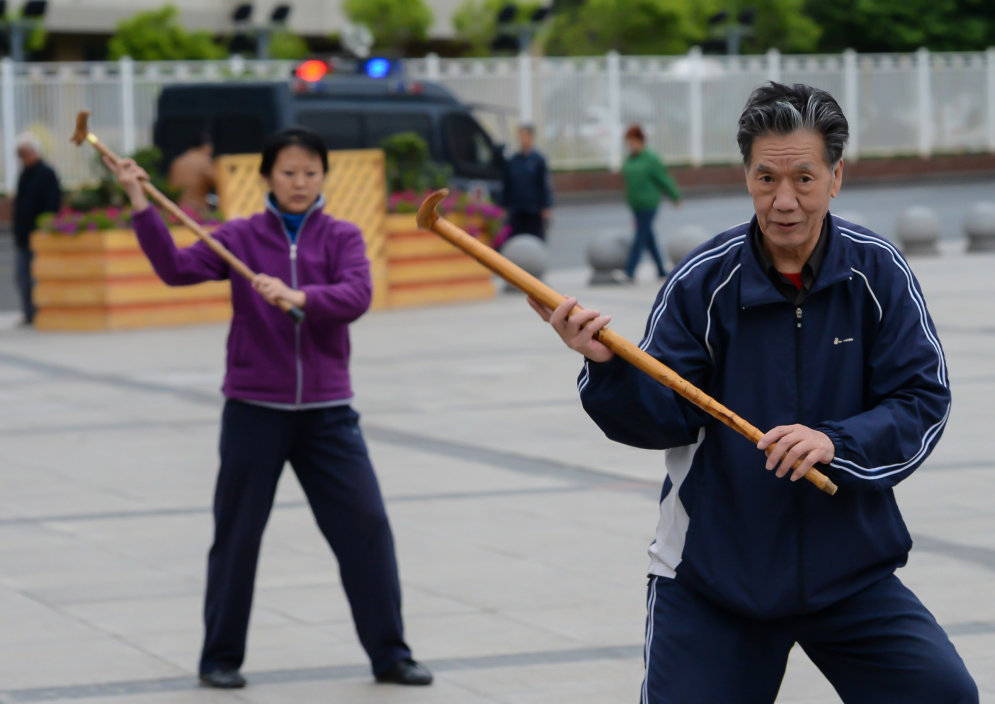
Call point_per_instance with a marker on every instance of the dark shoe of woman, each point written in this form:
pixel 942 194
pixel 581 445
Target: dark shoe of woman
pixel 406 671
pixel 223 679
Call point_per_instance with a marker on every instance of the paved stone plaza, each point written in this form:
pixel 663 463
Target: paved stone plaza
pixel 521 530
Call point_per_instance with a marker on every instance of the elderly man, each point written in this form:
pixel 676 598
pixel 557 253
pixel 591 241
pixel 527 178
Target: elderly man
pixel 38 192
pixel 815 328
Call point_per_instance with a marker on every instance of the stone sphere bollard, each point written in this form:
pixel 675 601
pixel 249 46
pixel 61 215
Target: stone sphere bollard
pixel 607 255
pixel 683 240
pixel 918 230
pixel 979 226
pixel 528 252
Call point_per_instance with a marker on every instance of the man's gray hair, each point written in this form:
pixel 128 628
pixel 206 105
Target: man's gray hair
pixel 26 139
pixel 775 108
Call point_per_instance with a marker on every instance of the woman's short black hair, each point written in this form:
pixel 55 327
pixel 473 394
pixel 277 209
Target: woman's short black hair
pixel 292 137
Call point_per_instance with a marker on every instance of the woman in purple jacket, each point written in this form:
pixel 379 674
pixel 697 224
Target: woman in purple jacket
pixel 288 397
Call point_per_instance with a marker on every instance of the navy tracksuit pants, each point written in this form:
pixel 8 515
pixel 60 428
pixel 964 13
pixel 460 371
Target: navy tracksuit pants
pixel 327 452
pixel 879 646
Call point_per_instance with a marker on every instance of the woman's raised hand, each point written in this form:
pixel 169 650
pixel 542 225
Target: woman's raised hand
pixel 130 176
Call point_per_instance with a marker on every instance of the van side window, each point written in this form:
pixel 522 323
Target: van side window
pixel 340 130
pixel 380 125
pixel 469 147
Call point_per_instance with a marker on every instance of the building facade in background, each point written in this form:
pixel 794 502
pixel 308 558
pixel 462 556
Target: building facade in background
pixel 78 29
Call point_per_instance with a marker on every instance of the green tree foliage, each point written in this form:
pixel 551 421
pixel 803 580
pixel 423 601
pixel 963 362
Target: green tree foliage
pixel 476 21
pixel 779 24
pixel 627 26
pixel 157 35
pixel 285 45
pixel 673 26
pixel 394 23
pixel 904 25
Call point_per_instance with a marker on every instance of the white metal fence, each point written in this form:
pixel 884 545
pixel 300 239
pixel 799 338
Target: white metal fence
pixel 897 104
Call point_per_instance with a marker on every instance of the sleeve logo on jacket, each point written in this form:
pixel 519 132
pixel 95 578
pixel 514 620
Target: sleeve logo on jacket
pixel 838 341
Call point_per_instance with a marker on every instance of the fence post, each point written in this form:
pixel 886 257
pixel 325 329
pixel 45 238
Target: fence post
pixel 925 103
pixel 9 126
pixel 127 76
pixel 990 73
pixel 773 65
pixel 613 73
pixel 851 102
pixel 432 69
pixel 696 106
pixel 236 64
pixel 524 88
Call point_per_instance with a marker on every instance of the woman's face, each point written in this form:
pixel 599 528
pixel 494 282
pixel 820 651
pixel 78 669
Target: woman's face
pixel 635 145
pixel 296 179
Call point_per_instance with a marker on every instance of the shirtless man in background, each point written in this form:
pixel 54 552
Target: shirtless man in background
pixel 193 173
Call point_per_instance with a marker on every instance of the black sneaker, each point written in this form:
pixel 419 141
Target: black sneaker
pixel 222 679
pixel 406 671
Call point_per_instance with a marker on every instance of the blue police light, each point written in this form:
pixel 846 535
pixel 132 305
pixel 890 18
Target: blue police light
pixel 377 67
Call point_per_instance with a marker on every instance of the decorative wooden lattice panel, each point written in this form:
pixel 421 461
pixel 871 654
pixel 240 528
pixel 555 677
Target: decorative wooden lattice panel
pixel 355 190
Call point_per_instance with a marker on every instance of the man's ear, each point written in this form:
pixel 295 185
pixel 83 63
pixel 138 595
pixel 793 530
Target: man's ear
pixel 837 179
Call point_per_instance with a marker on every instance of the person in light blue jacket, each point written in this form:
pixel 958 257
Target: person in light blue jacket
pixel 815 328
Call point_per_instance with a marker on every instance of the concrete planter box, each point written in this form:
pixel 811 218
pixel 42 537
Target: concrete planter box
pixel 102 281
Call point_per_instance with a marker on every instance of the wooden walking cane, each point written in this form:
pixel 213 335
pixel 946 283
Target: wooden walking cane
pixel 429 219
pixel 82 134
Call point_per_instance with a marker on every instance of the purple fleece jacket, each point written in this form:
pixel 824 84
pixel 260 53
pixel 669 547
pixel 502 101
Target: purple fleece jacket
pixel 270 358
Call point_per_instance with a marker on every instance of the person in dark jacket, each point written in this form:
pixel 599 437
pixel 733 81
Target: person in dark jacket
pixel 815 328
pixel 646 182
pixel 38 192
pixel 288 398
pixel 528 195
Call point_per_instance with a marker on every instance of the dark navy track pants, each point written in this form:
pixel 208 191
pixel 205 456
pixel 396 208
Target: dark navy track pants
pixel 327 452
pixel 879 646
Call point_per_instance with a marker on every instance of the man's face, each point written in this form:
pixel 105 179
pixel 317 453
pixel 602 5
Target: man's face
pixel 525 139
pixel 27 155
pixel 791 185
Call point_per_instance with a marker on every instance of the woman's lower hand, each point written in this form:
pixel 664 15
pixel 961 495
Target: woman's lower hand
pixel 273 290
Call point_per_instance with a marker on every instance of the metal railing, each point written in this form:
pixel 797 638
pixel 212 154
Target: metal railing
pixel 897 104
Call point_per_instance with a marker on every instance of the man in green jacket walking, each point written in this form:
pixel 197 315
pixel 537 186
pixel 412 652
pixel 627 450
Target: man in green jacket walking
pixel 646 181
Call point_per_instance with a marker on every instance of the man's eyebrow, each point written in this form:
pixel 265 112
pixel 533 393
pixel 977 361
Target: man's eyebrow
pixel 807 166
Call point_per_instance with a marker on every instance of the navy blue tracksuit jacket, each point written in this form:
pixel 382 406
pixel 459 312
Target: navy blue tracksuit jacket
pixel 859 359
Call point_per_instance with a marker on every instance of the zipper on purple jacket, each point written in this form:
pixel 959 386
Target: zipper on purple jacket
pixel 297 326
pixel 318 205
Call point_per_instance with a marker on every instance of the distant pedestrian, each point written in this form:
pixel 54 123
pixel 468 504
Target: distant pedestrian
pixel 38 192
pixel 646 182
pixel 192 172
pixel 528 195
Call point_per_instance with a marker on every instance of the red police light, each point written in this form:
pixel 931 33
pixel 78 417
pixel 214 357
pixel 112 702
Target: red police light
pixel 312 70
